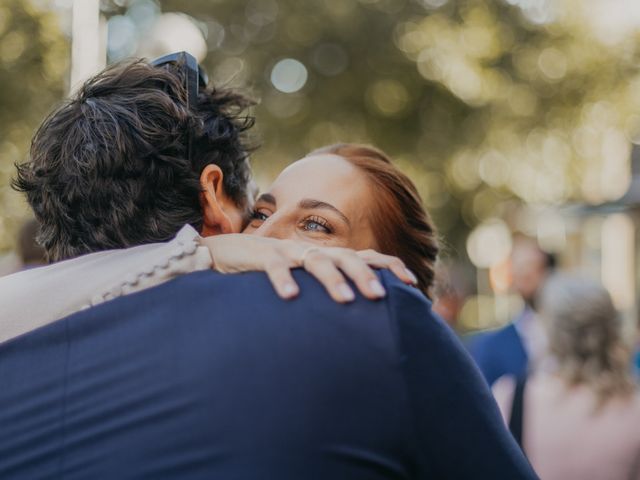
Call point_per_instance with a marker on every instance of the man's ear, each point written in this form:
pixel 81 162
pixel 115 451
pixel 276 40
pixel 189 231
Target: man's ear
pixel 213 199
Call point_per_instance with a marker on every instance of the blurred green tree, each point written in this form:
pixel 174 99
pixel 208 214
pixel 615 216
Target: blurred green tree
pixel 483 103
pixel 34 59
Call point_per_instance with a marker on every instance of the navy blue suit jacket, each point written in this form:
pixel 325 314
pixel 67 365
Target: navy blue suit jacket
pixel 213 376
pixel 499 353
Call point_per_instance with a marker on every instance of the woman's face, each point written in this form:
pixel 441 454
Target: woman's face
pixel 321 199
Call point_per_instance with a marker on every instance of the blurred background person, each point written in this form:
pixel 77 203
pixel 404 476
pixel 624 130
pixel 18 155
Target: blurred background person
pixel 28 253
pixel 451 289
pixel 31 254
pixel 9 263
pixel 579 418
pixel 517 347
pixel 636 359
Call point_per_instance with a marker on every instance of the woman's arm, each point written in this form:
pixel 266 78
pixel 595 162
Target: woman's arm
pixel 241 253
pixel 58 290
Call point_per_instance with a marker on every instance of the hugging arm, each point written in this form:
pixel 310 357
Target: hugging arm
pixel 58 290
pixel 329 265
pixel 459 432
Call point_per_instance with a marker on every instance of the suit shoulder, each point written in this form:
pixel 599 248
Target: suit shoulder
pixel 255 288
pixel 493 337
pixel 409 308
pixel 251 295
pixel 398 288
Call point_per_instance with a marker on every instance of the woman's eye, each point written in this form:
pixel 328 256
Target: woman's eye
pixel 315 226
pixel 258 215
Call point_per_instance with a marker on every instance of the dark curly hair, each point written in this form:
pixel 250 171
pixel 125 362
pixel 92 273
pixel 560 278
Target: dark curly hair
pixel 109 168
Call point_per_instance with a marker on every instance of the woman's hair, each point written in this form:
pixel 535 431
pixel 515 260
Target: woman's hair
pixel 585 335
pixel 401 225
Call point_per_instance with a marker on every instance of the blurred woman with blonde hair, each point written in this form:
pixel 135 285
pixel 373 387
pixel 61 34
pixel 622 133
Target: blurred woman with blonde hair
pixel 579 418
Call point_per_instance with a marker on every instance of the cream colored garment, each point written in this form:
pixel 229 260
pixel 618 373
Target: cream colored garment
pixel 566 438
pixel 36 297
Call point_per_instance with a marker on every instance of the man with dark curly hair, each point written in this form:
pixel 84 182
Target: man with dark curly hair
pixel 120 164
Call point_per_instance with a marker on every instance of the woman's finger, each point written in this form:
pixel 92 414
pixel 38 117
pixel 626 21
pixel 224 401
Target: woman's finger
pixel 281 279
pixel 359 272
pixel 325 270
pixel 397 266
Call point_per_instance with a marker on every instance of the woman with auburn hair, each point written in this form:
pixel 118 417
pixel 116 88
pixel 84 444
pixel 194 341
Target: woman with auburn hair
pixel 579 417
pixel 351 196
pixel 404 228
pixel 336 212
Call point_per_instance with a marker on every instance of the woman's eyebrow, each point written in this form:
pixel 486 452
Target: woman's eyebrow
pixel 310 204
pixel 268 198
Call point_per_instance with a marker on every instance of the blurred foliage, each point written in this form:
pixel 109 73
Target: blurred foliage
pixel 34 59
pixel 484 103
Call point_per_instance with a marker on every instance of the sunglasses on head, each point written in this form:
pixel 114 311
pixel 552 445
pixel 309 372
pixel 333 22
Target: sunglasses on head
pixel 194 76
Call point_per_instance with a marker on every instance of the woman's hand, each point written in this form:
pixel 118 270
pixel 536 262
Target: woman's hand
pixel 241 253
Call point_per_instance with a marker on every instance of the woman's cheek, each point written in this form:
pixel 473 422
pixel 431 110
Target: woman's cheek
pixel 322 240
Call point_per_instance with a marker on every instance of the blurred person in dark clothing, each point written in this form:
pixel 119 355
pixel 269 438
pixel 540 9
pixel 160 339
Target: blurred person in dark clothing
pixel 636 358
pixel 519 346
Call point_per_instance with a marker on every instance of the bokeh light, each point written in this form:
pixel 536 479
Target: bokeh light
pixel 289 75
pixel 173 32
pixel 489 243
pixel 122 37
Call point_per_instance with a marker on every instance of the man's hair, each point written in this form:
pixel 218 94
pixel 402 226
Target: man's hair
pixel 110 167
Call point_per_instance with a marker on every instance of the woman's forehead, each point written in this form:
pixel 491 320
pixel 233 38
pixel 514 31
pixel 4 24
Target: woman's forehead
pixel 319 173
pixel 321 162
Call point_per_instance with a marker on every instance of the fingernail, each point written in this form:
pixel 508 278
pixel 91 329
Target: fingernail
pixel 377 288
pixel 345 292
pixel 411 275
pixel 289 290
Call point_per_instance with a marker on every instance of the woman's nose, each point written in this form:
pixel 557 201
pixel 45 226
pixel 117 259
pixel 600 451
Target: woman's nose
pixel 271 229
